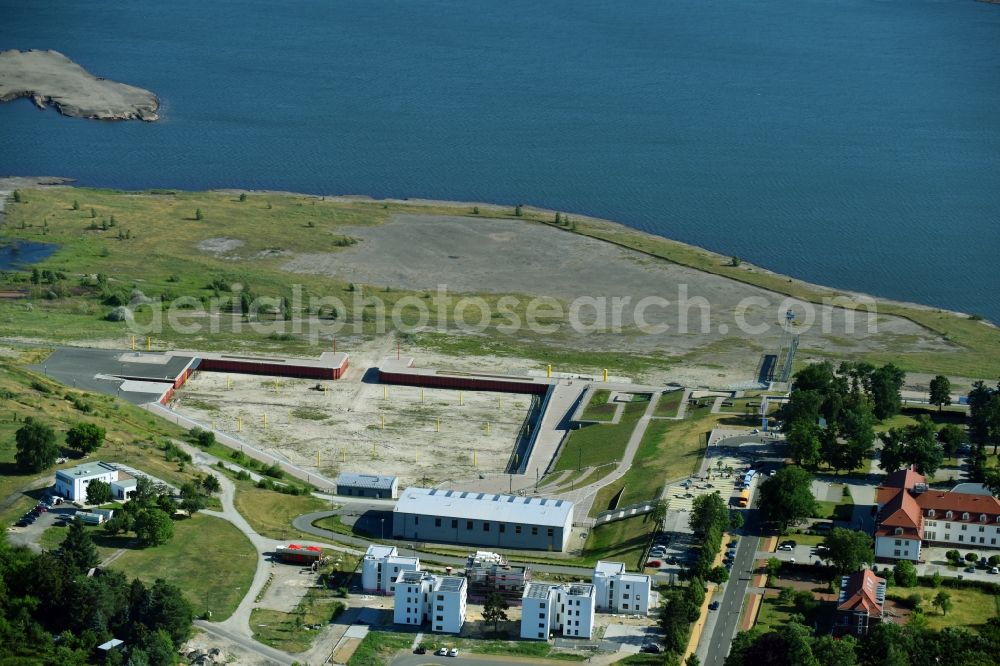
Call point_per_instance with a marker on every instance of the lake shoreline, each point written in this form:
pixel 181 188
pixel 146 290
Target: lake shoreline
pixel 49 78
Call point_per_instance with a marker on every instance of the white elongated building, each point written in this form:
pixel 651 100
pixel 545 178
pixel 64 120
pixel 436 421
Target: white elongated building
pixel 565 609
pixel 381 566
pixel 424 597
pixel 620 591
pixel 72 483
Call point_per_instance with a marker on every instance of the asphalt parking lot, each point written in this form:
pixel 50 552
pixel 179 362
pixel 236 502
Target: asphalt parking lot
pixel 30 536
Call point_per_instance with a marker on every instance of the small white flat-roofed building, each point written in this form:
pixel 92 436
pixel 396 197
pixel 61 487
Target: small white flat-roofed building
pixel 483 519
pixel 375 486
pixel 72 483
pixel 422 597
pixel 381 566
pixel 620 591
pixel 124 487
pixel 566 608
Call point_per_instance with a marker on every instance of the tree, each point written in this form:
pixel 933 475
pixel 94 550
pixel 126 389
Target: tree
pixel 17 196
pixel 658 514
pixel 77 549
pixel 36 446
pixel 913 445
pixel 153 527
pixel 893 454
pixel 211 484
pixel 847 549
pixel 942 600
pixel 992 480
pixel 99 492
pixel 201 437
pixel 830 651
pixel 122 521
pixel 772 567
pixel 735 261
pixel 495 609
pixel 886 383
pixel 787 497
pixel 736 520
pixel 198 215
pixel 804 443
pixel 76 205
pixel 518 212
pixel 708 511
pixel 243 196
pixel 952 437
pixel 905 574
pixel 85 437
pixel 692 660
pixel 192 499
pixel 940 393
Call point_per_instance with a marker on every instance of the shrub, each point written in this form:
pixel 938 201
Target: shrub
pixel 274 471
pixel 914 600
pixel 243 475
pixel 971 557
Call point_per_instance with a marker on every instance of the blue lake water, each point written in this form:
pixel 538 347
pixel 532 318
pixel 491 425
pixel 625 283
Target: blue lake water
pixel 854 143
pixel 19 254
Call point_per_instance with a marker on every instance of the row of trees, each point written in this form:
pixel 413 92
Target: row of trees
pixel 888 644
pixel 709 519
pixel 830 417
pixel 38 446
pixel 52 612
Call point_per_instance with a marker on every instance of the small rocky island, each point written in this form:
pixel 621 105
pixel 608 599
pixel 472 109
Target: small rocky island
pixel 49 77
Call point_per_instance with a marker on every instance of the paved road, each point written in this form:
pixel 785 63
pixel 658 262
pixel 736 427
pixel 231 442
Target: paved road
pixel 717 638
pixel 305 524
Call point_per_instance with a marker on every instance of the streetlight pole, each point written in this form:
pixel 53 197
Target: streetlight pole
pixel 382 527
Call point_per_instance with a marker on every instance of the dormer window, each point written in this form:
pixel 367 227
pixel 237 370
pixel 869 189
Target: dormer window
pixel 982 517
pixel 930 513
pixel 965 515
pixel 949 515
pixel 899 530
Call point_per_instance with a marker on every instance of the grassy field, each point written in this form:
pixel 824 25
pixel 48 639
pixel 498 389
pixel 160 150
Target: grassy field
pixel 378 648
pixel 498 646
pixel 773 614
pixel 208 558
pixel 599 409
pixel 106 544
pixel 668 403
pixel 159 256
pixel 622 541
pixel 271 513
pixel 669 450
pixel 599 444
pixel 287 631
pixel 972 607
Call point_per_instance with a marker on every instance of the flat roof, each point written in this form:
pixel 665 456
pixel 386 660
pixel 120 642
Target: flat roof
pixel 402 559
pixel 449 584
pixel 379 552
pixel 371 481
pixel 609 568
pixel 411 576
pixel 95 468
pixel 542 511
pixel 581 589
pixel 538 590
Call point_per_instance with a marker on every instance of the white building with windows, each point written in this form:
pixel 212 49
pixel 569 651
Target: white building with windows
pixel 72 483
pixel 381 566
pixel 620 591
pixel 424 597
pixel 566 609
pixel 911 515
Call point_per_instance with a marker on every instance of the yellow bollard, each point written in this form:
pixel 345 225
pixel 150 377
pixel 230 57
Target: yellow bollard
pixel 133 343
pixel 317 458
pixel 385 392
pixel 487 427
pixel 149 343
pixel 382 421
pixel 343 453
pixel 264 419
pixel 229 382
pixel 239 424
pixel 421 395
pixel 437 426
pixel 548 371
pixel 475 460
pixel 605 374
pixel 461 398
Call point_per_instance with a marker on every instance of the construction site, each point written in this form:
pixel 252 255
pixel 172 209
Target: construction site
pixel 423 435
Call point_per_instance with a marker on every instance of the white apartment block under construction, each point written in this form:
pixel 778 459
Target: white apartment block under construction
pixel 620 591
pixel 490 573
pixel 424 597
pixel 567 609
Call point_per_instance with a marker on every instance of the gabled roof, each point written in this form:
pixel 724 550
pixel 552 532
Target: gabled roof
pixel 901 511
pixel 862 592
pixel 903 478
pixel 960 503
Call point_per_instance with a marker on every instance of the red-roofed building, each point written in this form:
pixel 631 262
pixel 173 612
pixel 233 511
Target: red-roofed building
pixel 861 602
pixel 910 514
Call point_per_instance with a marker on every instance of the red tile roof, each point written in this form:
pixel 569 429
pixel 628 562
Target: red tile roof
pixel 859 594
pixel 960 503
pixel 901 510
pixel 903 478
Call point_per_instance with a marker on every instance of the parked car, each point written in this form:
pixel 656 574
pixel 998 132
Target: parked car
pixel 786 548
pixel 970 569
pixel 713 606
pixel 453 652
pixel 653 564
pixel 672 559
pixel 41 508
pixel 420 649
pixel 789 542
pixel 650 648
pixel 995 570
pixel 442 652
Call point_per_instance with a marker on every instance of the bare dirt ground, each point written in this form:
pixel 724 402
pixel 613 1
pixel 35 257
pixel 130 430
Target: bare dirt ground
pixel 427 436
pixel 421 252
